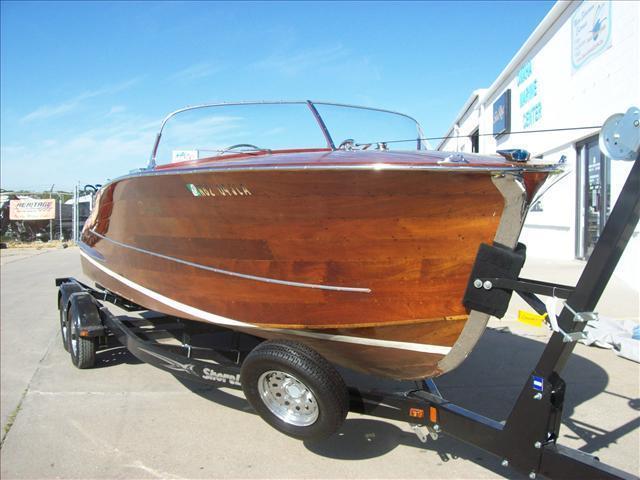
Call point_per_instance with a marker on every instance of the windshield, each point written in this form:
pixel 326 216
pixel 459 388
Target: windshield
pixel 369 128
pixel 207 131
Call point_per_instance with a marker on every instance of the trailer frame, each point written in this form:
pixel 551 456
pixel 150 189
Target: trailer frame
pixel 526 441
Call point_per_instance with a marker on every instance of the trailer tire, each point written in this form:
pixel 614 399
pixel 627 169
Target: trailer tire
pixel 64 323
pixel 295 390
pixel 81 349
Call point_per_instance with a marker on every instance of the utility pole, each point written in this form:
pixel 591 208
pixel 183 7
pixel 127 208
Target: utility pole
pixel 50 220
pixel 75 214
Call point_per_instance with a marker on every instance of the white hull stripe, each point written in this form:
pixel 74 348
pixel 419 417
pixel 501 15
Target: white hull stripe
pixel 233 274
pixel 219 320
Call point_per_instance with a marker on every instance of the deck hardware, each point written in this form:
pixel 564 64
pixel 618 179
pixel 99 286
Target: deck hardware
pixel 436 428
pixel 532 475
pixel 487 285
pixel 453 158
pixel 347 144
pixel 505 463
pixel 537 396
pixel 537 445
pixel 515 154
pixel 477 283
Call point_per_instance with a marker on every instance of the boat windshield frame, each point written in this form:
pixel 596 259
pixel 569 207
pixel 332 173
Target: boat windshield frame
pixel 309 103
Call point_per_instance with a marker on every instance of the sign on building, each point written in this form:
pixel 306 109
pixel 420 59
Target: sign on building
pixel 502 114
pixel 590 32
pixel 32 209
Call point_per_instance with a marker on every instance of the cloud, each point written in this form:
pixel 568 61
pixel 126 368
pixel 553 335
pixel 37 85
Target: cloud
pixel 196 71
pixel 48 111
pixel 211 133
pixel 294 63
pixel 117 109
pixel 89 155
pixel 93 155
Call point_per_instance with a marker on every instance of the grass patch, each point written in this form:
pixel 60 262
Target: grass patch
pixel 38 245
pixel 12 418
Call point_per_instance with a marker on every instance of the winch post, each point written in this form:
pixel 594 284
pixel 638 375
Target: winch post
pixel 536 415
pixel 597 271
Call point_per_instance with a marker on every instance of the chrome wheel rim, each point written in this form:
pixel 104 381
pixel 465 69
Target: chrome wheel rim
pixel 288 398
pixel 74 336
pixel 65 329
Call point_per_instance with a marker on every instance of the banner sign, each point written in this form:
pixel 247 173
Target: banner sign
pixel 32 209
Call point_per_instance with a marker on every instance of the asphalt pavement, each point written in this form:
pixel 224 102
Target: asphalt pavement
pixel 126 419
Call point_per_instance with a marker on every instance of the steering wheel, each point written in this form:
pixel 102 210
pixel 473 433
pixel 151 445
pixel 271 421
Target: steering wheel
pixel 244 145
pixel 347 144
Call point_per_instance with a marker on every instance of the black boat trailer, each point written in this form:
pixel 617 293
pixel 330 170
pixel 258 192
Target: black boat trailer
pixel 526 441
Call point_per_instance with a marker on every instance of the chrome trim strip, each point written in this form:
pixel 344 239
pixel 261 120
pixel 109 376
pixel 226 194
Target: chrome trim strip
pixel 219 320
pixel 233 274
pixel 373 167
pixel 92 252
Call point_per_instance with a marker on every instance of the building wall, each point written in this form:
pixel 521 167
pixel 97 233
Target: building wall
pixel 559 84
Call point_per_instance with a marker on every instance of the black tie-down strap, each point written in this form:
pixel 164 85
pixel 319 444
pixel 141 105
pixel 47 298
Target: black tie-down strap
pixel 493 261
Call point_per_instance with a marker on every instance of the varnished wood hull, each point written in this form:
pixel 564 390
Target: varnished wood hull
pixel 366 266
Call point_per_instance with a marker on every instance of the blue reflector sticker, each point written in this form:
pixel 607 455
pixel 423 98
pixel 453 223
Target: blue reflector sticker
pixel 538 383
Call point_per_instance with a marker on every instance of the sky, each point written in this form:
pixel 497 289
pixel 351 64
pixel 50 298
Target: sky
pixel 85 85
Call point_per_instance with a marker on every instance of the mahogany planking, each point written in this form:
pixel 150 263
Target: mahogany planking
pixel 408 236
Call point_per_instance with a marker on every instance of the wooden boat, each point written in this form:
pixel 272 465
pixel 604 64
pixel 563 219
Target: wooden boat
pixel 358 251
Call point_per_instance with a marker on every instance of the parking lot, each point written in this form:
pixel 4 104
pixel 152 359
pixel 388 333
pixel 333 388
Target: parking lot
pixel 126 419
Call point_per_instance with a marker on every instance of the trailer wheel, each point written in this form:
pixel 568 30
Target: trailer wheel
pixel 295 390
pixel 81 349
pixel 64 324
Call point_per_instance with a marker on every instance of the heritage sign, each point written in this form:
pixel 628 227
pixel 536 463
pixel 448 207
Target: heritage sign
pixel 32 209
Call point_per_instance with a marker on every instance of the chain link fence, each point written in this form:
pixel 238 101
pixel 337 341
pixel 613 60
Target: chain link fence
pixel 31 217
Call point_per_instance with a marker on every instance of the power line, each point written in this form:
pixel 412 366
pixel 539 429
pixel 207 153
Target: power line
pixel 546 130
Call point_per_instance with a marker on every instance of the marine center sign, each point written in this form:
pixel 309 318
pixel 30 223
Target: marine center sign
pixel 32 209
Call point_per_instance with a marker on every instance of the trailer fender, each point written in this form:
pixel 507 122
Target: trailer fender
pixel 89 315
pixel 64 292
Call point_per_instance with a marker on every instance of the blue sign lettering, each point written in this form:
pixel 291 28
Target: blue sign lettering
pixel 524 73
pixel 529 92
pixel 533 115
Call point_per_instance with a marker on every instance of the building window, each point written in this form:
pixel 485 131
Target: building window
pixel 594 186
pixel 475 141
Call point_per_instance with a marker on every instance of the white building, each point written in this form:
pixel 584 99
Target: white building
pixel 578 67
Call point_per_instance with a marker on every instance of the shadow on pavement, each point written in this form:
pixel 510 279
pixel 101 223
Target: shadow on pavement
pixel 488 383
pixel 115 355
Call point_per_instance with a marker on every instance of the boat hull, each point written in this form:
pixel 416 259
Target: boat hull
pixel 366 266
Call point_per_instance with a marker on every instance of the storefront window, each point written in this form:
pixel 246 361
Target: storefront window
pixel 596 188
